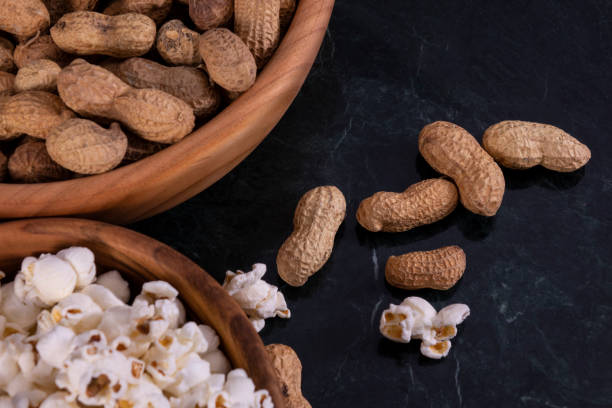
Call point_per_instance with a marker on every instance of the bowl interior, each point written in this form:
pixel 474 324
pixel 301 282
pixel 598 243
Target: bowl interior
pixel 139 259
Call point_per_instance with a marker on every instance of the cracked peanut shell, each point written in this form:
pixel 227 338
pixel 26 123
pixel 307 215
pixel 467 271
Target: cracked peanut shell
pixel 422 203
pixel 257 23
pixel 288 369
pixel 317 218
pixel 30 163
pixel 438 269
pixel 452 151
pixel 521 145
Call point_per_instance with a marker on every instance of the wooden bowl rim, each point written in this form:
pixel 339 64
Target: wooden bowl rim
pixel 202 144
pixel 19 238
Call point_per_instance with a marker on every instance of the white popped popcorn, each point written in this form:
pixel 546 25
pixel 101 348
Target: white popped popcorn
pixel 256 297
pixel 67 342
pixel 415 318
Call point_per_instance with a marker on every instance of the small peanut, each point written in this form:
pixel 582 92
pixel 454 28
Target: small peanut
pixel 155 115
pixel 88 33
pixel 24 18
pixel 257 23
pixel 421 203
pixel 317 219
pixel 7 84
pixel 208 14
pixel 30 163
pixel 85 147
pixel 186 83
pixel 452 151
pixel 521 145
pixel 39 75
pixel 228 60
pixel 288 368
pixel 438 269
pixel 6 55
pixel 34 113
pixel 37 48
pixel 177 44
pixel 156 9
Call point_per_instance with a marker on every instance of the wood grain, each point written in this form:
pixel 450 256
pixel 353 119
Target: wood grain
pixel 140 258
pixel 169 177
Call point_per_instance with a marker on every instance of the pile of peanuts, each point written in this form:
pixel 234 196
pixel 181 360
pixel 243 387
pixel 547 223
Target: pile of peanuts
pixel 88 85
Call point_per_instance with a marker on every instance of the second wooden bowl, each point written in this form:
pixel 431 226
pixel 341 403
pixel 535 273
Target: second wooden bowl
pixel 179 172
pixel 140 258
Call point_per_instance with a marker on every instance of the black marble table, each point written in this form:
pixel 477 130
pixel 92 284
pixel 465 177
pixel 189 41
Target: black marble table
pixel 539 275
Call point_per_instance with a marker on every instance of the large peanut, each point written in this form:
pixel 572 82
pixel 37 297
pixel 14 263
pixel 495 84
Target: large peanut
pixel 317 219
pixel 177 44
pixel 521 145
pixel 288 369
pixel 257 23
pixel 452 151
pixel 228 60
pixel 6 55
pixel 150 113
pixel 24 18
pixel 421 203
pixel 186 83
pixel 208 14
pixel 156 9
pixel 88 33
pixel 34 113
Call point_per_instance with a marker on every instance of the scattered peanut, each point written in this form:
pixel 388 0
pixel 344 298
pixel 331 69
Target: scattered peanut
pixel 521 145
pixel 156 9
pixel 34 113
pixel 208 14
pixel 6 55
pixel 177 44
pixel 150 113
pixel 438 269
pixel 88 33
pixel 317 219
pixel 24 18
pixel 3 166
pixel 452 151
pixel 85 147
pixel 257 23
pixel 7 84
pixel 30 163
pixel 186 83
pixel 37 48
pixel 39 75
pixel 288 368
pixel 228 60
pixel 422 203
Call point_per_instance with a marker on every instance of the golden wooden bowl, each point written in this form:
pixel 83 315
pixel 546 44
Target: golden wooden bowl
pixel 140 258
pixel 179 172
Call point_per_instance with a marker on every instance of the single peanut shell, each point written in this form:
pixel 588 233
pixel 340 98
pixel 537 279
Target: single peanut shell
pixel 209 14
pixel 3 167
pixel 6 55
pixel 30 163
pixel 177 44
pixel 39 75
pixel 422 203
pixel 156 9
pixel 317 219
pixel 41 47
pixel 186 83
pixel 228 60
pixel 288 369
pixel 139 148
pixel 34 113
pixel 521 145
pixel 257 23
pixel 438 269
pixel 24 18
pixel 7 84
pixel 85 147
pixel 88 33
pixel 452 151
pixel 287 10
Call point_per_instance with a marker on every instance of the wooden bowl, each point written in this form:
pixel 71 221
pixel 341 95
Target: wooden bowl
pixel 179 172
pixel 141 258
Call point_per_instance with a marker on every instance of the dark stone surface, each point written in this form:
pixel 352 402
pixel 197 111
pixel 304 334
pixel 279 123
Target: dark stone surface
pixel 538 279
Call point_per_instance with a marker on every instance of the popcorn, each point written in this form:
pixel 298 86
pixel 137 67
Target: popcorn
pixel 116 284
pixel 446 321
pixel 29 398
pixel 145 394
pixel 78 311
pixel 102 296
pixel 8 364
pixel 217 361
pixel 44 281
pixel 194 371
pixel 256 297
pixel 263 399
pixel 82 262
pixel 22 315
pixel 396 323
pixel 58 400
pixel 436 350
pixel 56 345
